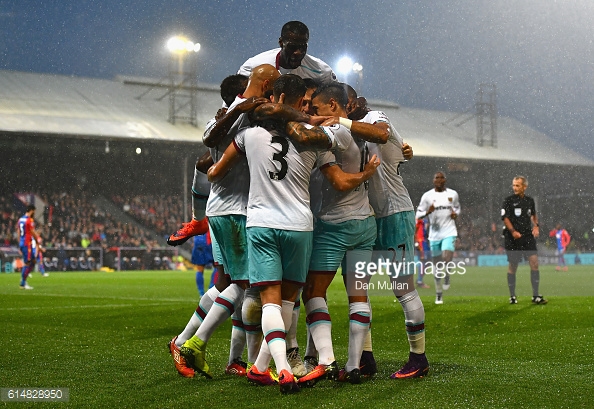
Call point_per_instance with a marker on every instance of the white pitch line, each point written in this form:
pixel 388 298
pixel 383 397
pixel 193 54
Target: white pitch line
pixel 112 297
pixel 81 306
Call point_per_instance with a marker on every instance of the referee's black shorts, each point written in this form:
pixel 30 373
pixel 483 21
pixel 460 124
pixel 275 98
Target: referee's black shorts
pixel 520 249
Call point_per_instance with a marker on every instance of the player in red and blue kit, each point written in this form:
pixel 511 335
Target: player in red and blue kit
pixel 27 235
pixel 422 245
pixel 201 257
pixel 563 238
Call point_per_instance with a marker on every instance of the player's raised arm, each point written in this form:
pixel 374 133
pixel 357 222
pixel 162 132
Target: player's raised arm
pixel 279 112
pixel 214 135
pixel 204 162
pixel 230 157
pixel 313 137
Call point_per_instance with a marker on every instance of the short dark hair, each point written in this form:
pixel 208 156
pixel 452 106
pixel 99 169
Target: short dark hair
pixel 232 86
pixel 295 27
pixel 334 90
pixel 30 207
pixel 311 83
pixel 291 85
pixel 351 93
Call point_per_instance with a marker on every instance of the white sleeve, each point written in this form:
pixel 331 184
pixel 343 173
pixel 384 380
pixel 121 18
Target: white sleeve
pixel 456 204
pixel 329 76
pixel 377 116
pixel 246 68
pixel 239 140
pixel 423 207
pixel 208 128
pixel 339 136
pixel 325 158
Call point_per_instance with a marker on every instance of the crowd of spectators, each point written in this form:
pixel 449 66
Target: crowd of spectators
pixel 162 213
pixel 72 220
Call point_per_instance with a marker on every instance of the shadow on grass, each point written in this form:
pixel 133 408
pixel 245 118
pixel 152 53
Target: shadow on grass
pixel 436 369
pixel 498 314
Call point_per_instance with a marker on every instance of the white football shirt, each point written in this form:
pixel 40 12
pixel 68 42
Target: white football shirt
pixel 387 193
pixel 279 180
pixel 230 194
pixel 441 224
pixel 311 67
pixel 335 206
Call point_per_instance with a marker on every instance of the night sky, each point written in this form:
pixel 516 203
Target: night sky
pixel 427 54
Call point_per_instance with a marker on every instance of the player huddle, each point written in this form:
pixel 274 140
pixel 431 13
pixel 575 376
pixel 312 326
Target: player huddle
pixel 302 173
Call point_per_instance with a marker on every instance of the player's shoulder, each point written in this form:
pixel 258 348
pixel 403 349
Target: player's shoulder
pixel 317 69
pixel 339 135
pixel 265 57
pixel 310 60
pixel 374 116
pixel 238 100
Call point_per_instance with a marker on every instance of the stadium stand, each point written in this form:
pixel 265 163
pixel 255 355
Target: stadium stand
pixel 83 135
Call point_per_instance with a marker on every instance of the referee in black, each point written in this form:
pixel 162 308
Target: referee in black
pixel 521 227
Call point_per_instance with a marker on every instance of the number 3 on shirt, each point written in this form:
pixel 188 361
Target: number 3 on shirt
pixel 280 158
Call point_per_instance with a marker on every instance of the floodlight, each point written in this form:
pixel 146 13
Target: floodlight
pixel 345 65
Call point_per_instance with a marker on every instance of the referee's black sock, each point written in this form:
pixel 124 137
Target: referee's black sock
pixel 535 280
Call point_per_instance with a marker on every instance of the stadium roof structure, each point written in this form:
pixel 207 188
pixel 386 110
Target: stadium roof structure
pixel 430 135
pixel 137 108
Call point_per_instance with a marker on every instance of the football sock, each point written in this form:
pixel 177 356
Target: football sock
pixel 310 346
pixel 251 315
pixel 238 338
pixel 292 331
pixel 511 283
pixel 359 319
pixel 367 344
pixel 200 191
pixel 562 260
pixel 200 282
pixel 535 280
pixel 414 320
pixel 25 273
pixel 287 314
pixel 262 361
pixel 274 331
pixel 203 307
pixel 224 305
pixel 438 286
pixel 320 327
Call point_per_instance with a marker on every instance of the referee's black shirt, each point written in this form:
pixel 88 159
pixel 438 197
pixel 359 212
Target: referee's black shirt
pixel 518 211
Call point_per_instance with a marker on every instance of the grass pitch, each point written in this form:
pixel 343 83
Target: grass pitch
pixel 104 336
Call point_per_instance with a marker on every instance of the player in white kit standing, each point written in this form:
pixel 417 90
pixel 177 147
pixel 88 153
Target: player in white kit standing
pixel 441 206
